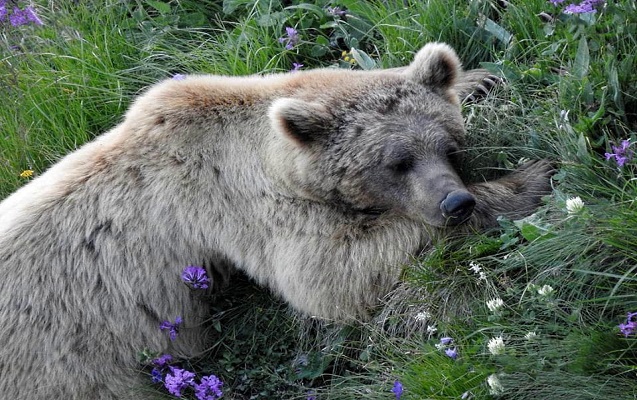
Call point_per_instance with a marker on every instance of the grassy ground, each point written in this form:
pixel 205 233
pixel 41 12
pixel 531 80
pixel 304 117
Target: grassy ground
pixel 565 277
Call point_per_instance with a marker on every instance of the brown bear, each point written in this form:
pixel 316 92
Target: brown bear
pixel 319 185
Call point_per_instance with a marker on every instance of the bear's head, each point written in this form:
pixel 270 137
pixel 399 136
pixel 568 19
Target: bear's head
pixel 377 142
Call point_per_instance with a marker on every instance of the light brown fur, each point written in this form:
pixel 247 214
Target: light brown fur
pixel 320 185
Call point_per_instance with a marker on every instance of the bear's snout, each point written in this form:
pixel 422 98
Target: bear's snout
pixel 457 206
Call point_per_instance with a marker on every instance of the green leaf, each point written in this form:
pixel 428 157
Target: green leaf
pixel 308 7
pixel 505 69
pixel 163 8
pixel 531 229
pixel 318 50
pixel 363 59
pixel 582 59
pixel 497 31
pixel 230 6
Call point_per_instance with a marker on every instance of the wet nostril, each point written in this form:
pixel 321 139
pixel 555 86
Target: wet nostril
pixel 458 204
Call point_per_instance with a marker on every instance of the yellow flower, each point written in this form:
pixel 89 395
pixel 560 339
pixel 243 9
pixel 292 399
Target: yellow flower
pixel 347 57
pixel 27 173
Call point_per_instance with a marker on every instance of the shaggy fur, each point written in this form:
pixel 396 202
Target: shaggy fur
pixel 319 185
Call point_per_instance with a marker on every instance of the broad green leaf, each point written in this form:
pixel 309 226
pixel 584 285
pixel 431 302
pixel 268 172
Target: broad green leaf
pixel 363 59
pixel 163 8
pixel 531 229
pixel 497 31
pixel 582 59
pixel 308 7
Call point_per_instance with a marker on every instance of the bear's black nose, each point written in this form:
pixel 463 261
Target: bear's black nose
pixel 457 206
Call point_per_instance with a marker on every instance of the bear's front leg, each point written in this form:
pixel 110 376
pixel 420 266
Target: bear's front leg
pixel 514 196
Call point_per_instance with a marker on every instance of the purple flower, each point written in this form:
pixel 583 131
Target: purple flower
pixel 3 11
pixel 177 380
pixel 339 12
pixel 179 77
pixel 32 16
pixel 296 66
pixel 172 328
pixel 162 361
pixel 291 38
pixel 195 277
pixel 22 17
pixel 397 389
pixel 621 154
pixel 209 388
pixel 630 326
pixel 453 353
pixel 446 340
pixel 556 2
pixel 156 376
pixel 586 6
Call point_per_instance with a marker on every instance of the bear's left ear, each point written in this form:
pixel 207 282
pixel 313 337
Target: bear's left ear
pixel 302 121
pixel 436 66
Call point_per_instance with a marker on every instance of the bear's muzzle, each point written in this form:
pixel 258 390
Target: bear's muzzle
pixel 457 206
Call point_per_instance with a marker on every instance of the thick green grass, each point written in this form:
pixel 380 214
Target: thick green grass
pixel 569 94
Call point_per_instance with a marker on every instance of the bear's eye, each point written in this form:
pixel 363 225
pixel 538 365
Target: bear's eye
pixel 453 155
pixel 402 165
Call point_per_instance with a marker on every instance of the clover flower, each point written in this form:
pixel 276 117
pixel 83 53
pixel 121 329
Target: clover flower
pixel 397 389
pixel 496 345
pixel 621 153
pixel 209 388
pixel 630 326
pixel 495 304
pixel 574 205
pixel 422 316
pixel 495 386
pixel 195 277
pixel 291 38
pixel 172 328
pixel 452 353
pixel 530 336
pixel 545 290
pixel 177 380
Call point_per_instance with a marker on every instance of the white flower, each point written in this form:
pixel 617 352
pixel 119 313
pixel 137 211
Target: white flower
pixel 439 346
pixel 475 267
pixel 431 329
pixel 574 205
pixel 545 290
pixel 496 345
pixel 422 316
pixel 495 386
pixel 495 304
pixel 530 336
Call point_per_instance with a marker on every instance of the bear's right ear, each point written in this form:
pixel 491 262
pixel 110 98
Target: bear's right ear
pixel 436 66
pixel 302 121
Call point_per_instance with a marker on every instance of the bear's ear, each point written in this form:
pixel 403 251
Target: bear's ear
pixel 436 65
pixel 302 121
